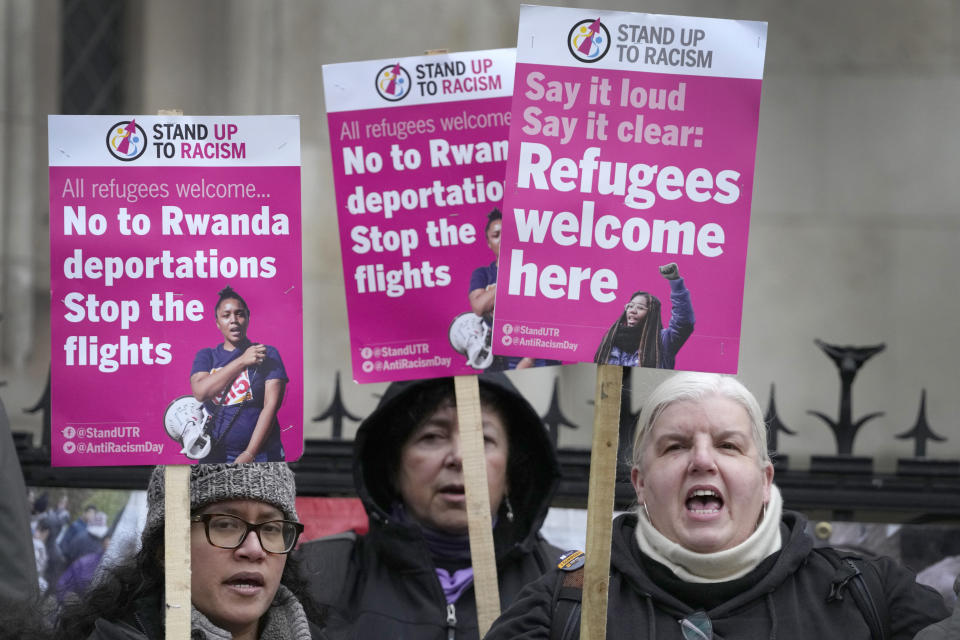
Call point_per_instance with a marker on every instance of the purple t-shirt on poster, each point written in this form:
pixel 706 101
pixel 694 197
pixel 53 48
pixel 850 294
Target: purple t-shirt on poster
pixel 236 410
pixel 481 278
pixel 484 276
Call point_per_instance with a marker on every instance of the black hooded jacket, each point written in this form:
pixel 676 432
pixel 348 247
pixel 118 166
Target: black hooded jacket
pixel 784 598
pixel 144 621
pixel 389 587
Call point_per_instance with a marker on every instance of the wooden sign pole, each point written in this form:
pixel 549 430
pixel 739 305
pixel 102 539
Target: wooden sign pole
pixel 603 477
pixel 479 524
pixel 482 555
pixel 176 550
pixel 176 535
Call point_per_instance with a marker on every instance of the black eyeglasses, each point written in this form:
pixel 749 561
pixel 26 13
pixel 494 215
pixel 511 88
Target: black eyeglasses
pixel 229 532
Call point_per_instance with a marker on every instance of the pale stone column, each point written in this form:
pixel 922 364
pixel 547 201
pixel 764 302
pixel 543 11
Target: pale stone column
pixel 28 71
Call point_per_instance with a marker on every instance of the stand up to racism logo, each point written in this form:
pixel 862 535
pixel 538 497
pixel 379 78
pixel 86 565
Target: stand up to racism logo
pixel 126 140
pixel 588 40
pixel 393 82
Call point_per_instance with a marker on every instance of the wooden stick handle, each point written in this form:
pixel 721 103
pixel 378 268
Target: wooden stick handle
pixel 176 550
pixel 176 534
pixel 482 554
pixel 603 478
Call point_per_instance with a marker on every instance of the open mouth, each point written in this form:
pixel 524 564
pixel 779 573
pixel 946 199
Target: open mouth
pixel 704 501
pixel 245 582
pixel 452 488
pixel 452 491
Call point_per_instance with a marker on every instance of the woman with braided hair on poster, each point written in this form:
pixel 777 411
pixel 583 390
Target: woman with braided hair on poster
pixel 638 337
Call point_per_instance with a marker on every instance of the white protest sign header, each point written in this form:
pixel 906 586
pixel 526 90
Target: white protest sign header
pixel 642 42
pixel 420 80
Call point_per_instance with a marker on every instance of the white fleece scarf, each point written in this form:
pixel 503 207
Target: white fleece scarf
pixel 721 566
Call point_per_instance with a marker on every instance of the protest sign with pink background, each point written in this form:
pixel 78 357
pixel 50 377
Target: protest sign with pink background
pixel 419 151
pixel 632 147
pixel 150 217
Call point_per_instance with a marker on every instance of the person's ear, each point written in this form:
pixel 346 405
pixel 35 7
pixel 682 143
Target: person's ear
pixel 767 480
pixel 636 479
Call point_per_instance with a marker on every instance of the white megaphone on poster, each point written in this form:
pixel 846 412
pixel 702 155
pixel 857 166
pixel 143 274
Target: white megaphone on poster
pixel 186 421
pixel 470 336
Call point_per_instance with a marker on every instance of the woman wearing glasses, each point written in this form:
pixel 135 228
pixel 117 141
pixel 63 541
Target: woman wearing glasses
pixel 243 584
pixel 711 553
pixel 638 337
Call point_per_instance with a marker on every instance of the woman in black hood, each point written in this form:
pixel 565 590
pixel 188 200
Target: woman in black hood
pixel 411 576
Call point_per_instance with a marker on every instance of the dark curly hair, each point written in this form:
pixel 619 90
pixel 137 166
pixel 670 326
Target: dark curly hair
pixel 112 596
pixel 227 293
pixel 492 217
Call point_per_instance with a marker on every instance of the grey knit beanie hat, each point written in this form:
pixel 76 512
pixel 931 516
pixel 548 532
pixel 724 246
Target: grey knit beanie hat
pixel 270 482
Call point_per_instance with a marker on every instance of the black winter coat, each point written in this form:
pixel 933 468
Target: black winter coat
pixel 143 621
pixel 785 597
pixel 18 566
pixel 385 584
pixel 947 629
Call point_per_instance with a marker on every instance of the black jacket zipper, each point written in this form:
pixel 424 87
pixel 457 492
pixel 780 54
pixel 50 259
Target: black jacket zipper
pixel 451 622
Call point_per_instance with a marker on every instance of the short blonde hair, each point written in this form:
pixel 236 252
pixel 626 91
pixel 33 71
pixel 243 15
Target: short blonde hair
pixel 695 386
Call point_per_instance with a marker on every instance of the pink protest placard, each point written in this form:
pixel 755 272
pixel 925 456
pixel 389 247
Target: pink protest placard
pixel 419 150
pixel 175 281
pixel 628 188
